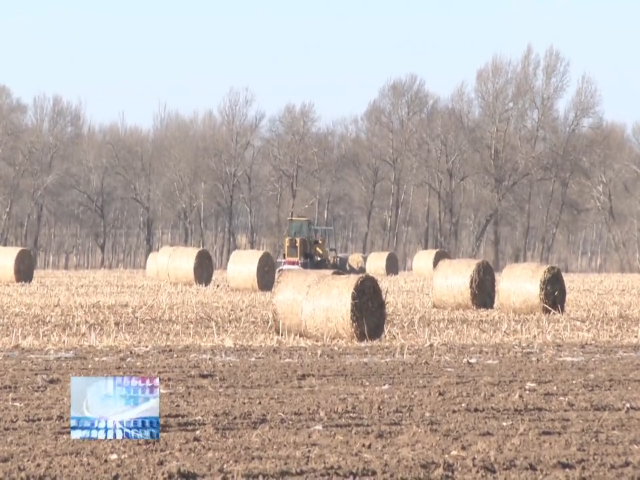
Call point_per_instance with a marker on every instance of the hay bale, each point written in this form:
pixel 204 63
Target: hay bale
pixel 188 265
pixel 17 265
pixel 287 302
pixel 252 270
pixel 356 263
pixel 382 264
pixel 327 304
pixel 531 288
pixel 162 262
pixel 425 261
pixel 152 265
pixel 463 284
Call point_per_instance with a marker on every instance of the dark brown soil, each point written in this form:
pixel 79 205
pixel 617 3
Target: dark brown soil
pixel 360 411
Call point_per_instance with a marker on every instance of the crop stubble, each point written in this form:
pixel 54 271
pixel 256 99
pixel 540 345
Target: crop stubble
pixel 123 308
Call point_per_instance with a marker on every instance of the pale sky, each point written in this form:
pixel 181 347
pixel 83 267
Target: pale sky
pixel 127 57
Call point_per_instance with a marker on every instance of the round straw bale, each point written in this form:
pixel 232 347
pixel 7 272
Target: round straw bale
pixel 287 300
pixel 356 263
pixel 382 264
pixel 162 262
pixel 253 270
pixel 16 265
pixel 189 265
pixel 327 304
pixel 531 288
pixel 425 261
pixel 152 265
pixel 463 284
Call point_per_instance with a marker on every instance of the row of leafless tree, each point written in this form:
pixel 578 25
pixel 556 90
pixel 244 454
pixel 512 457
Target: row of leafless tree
pixel 519 166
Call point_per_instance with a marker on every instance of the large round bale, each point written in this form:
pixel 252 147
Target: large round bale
pixel 252 270
pixel 152 265
pixel 188 265
pixel 463 284
pixel 325 305
pixel 382 264
pixel 16 265
pixel 287 301
pixel 162 262
pixel 425 261
pixel 356 263
pixel 531 288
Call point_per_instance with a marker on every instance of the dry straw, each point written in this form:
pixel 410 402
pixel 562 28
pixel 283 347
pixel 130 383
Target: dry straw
pixel 326 305
pixel 152 265
pixel 356 263
pixel 16 265
pixel 463 284
pixel 251 270
pixel 531 288
pixel 162 262
pixel 382 264
pixel 188 265
pixel 425 261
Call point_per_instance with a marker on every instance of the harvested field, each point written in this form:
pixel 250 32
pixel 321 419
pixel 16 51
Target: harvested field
pixel 124 308
pixel 435 412
pixel 446 394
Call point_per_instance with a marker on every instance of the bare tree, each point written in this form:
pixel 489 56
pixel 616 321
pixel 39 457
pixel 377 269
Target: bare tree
pixel 502 165
pixel 446 165
pixel 177 146
pixel 135 165
pixel 253 189
pixel 94 181
pixel 291 148
pixel 396 116
pixel 240 124
pixel 55 127
pixel 12 163
pixel 521 165
pixel 368 169
pixel 564 157
pixel 608 184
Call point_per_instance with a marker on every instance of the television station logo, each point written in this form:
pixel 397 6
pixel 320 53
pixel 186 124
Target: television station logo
pixel 115 407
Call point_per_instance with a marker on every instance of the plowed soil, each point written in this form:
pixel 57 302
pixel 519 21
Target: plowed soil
pixel 367 411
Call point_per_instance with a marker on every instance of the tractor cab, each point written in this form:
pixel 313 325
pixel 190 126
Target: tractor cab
pixel 305 245
pixel 300 228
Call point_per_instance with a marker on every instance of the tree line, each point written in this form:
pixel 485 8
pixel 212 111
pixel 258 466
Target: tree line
pixel 519 166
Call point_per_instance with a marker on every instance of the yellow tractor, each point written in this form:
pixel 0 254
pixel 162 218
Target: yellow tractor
pixel 305 246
